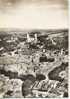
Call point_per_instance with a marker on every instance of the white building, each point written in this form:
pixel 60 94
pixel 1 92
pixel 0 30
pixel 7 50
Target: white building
pixel 30 39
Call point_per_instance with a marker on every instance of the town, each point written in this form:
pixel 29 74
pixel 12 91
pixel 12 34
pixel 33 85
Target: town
pixel 34 64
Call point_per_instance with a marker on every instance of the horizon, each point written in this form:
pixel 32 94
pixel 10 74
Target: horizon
pixel 34 29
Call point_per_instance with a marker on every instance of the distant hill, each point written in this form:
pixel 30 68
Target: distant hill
pixel 39 32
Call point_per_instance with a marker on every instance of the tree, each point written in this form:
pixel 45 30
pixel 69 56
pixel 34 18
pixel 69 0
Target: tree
pixel 30 79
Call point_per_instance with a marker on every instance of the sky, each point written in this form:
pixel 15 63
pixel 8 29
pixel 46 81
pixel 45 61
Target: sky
pixel 34 14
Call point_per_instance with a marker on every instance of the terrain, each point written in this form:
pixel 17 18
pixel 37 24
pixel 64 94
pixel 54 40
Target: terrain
pixel 38 68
